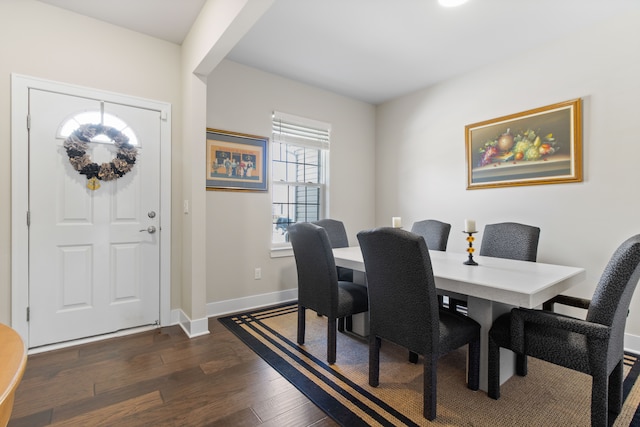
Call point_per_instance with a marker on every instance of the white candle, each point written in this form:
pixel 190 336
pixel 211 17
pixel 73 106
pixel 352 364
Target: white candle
pixel 396 222
pixel 469 226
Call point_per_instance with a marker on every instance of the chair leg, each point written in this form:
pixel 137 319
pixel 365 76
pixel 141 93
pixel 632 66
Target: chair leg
pixel 301 324
pixel 341 324
pixel 616 379
pixel 521 365
pixel 493 380
pixel 473 380
pixel 331 340
pixel 374 360
pixel 430 386
pixel 599 399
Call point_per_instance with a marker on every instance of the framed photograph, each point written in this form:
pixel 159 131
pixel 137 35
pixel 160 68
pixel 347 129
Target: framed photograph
pixel 236 161
pixel 540 146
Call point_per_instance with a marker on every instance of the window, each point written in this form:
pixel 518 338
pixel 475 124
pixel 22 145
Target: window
pixel 299 149
pixel 97 117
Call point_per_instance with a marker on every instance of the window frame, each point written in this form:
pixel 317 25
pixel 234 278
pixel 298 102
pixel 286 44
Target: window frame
pixel 72 122
pixel 279 137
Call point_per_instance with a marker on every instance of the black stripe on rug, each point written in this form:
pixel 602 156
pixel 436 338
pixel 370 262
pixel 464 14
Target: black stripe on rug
pixel 629 381
pixel 323 400
pixel 245 325
pixel 294 351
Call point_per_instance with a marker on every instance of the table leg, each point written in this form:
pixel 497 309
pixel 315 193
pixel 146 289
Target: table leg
pixel 361 320
pixel 485 312
pixel 482 311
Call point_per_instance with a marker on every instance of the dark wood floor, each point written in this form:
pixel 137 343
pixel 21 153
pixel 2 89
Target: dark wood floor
pixel 160 378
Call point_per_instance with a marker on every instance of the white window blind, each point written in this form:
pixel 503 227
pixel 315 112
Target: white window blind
pixel 301 131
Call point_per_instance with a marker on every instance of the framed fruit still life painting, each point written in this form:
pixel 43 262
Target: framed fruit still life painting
pixel 539 146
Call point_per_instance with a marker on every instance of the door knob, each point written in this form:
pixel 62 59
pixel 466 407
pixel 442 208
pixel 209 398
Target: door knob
pixel 151 229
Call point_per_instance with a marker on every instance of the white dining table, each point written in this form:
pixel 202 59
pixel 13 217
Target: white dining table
pixel 491 288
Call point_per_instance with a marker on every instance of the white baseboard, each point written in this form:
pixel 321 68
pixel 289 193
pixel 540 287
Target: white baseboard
pixel 66 344
pixel 198 327
pixel 221 308
pixel 193 328
pixel 632 343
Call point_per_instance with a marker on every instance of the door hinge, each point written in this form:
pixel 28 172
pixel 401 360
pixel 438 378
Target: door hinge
pixel 28 313
pixel 28 218
pixel 28 121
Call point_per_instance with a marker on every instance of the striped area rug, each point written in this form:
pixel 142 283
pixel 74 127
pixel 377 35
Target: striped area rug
pixel 548 396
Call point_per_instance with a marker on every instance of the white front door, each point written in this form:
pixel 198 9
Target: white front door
pixel 94 259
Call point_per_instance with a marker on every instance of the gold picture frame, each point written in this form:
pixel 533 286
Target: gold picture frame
pixel 539 146
pixel 236 161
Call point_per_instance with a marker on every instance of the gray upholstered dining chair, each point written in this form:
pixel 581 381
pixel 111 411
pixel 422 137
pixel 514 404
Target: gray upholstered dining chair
pixel 318 285
pixel 403 309
pixel 435 233
pixel 436 236
pixel 593 346
pixel 338 239
pixel 509 240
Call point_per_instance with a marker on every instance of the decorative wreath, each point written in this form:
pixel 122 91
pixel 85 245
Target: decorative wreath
pixel 77 145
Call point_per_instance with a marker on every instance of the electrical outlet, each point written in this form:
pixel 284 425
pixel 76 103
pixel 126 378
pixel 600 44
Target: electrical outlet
pixel 257 274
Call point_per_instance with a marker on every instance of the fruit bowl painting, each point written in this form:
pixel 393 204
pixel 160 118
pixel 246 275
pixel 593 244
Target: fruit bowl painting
pixel 539 146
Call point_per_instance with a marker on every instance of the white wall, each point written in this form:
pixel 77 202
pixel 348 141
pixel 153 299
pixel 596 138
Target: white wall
pixel 220 24
pixel 42 41
pixel 420 153
pixel 417 169
pixel 242 99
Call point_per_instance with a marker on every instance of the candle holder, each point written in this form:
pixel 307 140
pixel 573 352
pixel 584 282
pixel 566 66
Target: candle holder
pixel 470 249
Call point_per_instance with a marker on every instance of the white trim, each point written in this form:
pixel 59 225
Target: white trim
pixel 281 252
pixel 632 343
pixel 20 86
pixel 220 308
pixel 292 118
pixel 165 213
pixel 67 344
pixel 201 326
pixel 193 328
pixel 19 207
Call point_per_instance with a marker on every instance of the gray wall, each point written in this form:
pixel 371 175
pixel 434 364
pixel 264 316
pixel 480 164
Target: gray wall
pixel 242 99
pixel 582 223
pixel 403 158
pixel 42 41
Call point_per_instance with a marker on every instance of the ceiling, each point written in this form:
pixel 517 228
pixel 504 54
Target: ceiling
pixel 372 50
